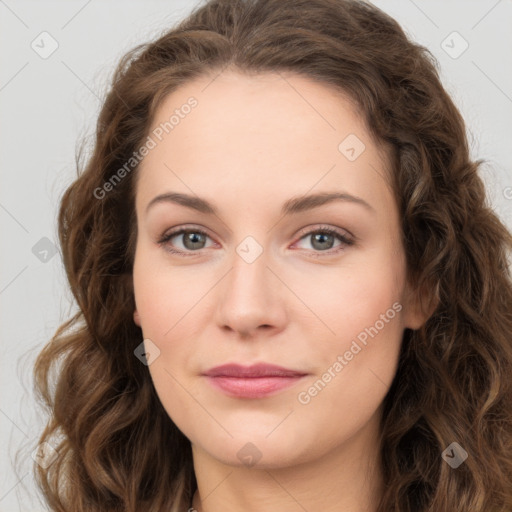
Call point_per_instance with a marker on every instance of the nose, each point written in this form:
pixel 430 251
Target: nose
pixel 251 299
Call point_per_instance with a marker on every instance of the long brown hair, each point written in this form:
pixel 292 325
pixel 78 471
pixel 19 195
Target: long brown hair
pixel 117 447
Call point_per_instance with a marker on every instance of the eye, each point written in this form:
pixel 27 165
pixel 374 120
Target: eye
pixel 192 239
pixel 323 238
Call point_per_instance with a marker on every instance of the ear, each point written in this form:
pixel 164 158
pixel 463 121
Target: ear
pixel 419 305
pixel 136 317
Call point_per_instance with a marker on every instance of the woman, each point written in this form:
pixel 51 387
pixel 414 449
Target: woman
pixel 293 293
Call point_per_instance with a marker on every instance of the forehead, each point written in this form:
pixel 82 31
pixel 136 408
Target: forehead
pixel 264 133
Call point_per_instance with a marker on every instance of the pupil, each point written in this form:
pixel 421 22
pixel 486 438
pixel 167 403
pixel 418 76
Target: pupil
pixel 194 239
pixel 320 237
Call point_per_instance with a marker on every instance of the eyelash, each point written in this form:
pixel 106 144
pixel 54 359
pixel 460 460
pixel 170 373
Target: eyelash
pixel 322 229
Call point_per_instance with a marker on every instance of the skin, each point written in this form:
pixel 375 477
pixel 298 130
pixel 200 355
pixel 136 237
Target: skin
pixel 252 143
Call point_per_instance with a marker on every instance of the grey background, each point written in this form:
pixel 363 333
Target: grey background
pixel 48 104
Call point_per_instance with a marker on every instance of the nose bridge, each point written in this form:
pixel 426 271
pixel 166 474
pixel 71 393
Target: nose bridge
pixel 247 298
pixel 249 266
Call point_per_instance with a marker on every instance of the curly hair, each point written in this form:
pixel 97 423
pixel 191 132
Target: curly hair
pixel 117 447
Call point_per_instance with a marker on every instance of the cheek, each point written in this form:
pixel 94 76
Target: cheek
pixel 163 299
pixel 164 296
pixel 358 360
pixel 168 302
pixel 353 297
pixel 357 364
pixel 368 333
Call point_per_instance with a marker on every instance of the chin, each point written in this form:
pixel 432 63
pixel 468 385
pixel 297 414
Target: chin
pixel 256 448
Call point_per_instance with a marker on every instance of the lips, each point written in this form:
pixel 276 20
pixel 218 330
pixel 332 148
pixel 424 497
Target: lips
pixel 256 381
pixel 255 371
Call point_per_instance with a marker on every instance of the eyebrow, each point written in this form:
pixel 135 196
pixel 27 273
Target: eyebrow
pixel 294 205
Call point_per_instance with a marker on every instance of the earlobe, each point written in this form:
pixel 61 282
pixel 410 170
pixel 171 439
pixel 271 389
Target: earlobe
pixel 136 318
pixel 420 306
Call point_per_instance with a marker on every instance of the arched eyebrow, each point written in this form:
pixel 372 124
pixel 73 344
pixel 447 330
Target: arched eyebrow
pixel 308 202
pixel 291 206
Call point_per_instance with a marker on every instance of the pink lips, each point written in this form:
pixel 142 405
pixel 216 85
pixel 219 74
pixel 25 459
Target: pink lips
pixel 256 381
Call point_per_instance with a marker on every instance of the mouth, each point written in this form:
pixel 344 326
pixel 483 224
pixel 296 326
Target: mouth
pixel 256 381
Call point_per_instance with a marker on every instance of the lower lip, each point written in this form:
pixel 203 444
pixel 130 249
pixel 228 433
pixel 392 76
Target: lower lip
pixel 254 387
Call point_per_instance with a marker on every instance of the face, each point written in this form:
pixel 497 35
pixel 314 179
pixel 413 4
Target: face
pixel 260 272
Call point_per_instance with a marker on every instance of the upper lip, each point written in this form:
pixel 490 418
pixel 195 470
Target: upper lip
pixel 255 370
